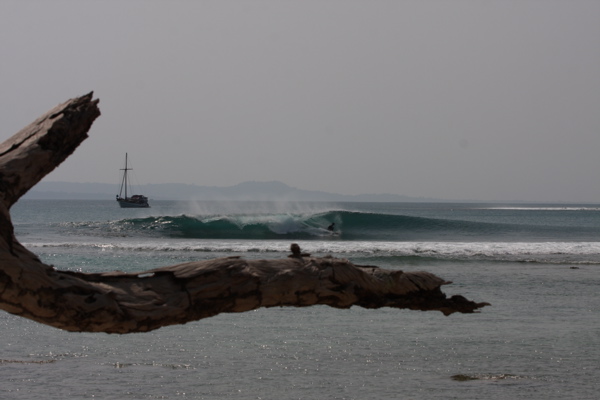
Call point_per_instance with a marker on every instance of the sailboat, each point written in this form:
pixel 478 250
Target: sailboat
pixel 135 201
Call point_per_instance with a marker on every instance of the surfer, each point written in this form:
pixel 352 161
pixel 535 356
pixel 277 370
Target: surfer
pixel 330 227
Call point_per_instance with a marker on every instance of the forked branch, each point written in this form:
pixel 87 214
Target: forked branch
pixel 139 302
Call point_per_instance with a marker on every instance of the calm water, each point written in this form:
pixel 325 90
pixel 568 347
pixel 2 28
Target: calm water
pixel 537 264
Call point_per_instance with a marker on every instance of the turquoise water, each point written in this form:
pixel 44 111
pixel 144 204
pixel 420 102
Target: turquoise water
pixel 536 264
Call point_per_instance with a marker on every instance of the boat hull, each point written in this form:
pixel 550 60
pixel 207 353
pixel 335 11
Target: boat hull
pixel 126 203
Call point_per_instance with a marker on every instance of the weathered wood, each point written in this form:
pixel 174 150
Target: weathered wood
pixel 138 302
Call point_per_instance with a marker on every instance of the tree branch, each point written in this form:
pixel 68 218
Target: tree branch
pixel 118 302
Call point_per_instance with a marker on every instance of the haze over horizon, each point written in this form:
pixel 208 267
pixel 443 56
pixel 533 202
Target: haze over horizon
pixel 487 101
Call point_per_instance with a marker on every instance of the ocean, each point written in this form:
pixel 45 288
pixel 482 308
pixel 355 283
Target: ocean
pixel 537 264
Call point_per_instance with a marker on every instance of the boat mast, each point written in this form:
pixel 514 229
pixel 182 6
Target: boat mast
pixel 124 182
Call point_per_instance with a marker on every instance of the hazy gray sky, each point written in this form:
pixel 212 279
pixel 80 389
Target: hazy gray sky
pixel 484 100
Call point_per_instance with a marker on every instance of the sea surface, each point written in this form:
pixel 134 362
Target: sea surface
pixel 537 264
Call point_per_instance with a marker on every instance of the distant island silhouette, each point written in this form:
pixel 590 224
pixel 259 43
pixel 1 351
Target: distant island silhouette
pixel 245 191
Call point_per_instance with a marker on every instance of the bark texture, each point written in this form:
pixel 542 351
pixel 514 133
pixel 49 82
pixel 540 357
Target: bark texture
pixel 119 302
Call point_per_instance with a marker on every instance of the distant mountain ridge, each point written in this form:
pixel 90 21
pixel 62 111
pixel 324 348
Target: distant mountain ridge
pixel 245 191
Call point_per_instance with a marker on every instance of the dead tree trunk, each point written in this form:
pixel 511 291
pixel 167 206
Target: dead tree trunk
pixel 139 302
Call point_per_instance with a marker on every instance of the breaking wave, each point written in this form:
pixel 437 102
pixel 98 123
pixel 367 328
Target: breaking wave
pixel 349 225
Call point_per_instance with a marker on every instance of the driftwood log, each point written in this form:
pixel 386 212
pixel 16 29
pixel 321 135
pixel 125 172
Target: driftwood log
pixel 119 302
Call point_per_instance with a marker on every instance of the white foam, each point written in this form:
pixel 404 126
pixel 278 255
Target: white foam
pixel 441 250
